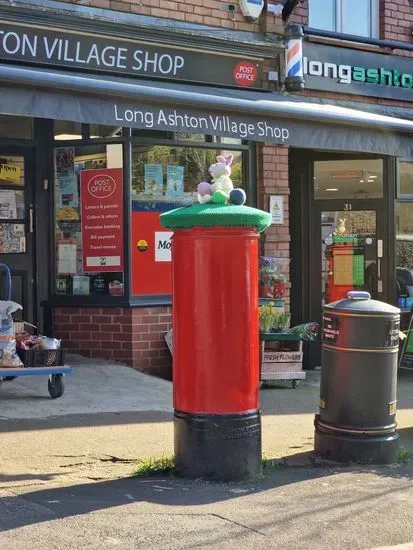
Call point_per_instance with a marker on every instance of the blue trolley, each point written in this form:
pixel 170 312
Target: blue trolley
pixel 55 372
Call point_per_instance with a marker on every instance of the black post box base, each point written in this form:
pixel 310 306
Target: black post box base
pixel 371 450
pixel 218 447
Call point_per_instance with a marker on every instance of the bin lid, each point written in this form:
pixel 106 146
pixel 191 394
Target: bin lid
pixel 216 215
pixel 361 302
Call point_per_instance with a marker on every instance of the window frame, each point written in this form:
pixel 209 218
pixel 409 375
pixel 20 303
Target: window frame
pixel 402 197
pixel 128 142
pixel 338 5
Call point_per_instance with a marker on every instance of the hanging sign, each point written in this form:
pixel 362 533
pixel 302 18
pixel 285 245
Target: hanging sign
pixel 102 220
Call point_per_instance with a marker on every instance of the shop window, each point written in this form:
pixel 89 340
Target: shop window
pixel 227 140
pixel 16 127
pixel 339 16
pixel 171 174
pixel 89 220
pixel 163 178
pixel 404 248
pixel 100 131
pixel 184 136
pixel 66 130
pixel 405 178
pixel 151 134
pixel 348 179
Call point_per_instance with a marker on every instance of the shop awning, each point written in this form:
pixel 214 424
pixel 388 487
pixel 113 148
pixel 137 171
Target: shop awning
pixel 255 116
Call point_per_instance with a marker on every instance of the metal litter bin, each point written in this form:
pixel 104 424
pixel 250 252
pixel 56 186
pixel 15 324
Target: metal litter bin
pixel 357 414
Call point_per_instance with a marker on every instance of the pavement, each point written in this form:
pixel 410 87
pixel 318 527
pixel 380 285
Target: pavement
pixel 65 468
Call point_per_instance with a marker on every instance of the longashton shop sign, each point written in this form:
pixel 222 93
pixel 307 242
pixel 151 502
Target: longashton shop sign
pixel 172 120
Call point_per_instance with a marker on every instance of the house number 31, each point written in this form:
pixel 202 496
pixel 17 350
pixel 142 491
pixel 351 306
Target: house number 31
pixel 347 206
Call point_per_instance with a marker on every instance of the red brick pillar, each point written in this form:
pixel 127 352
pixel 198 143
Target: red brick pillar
pixel 273 180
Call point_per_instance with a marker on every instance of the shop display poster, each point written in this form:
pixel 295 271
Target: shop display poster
pixel 277 209
pixel 102 220
pixel 153 179
pixel 174 180
pixel 11 173
pixel 66 258
pixel 66 177
pixel 12 238
pixel 8 205
pixel 81 285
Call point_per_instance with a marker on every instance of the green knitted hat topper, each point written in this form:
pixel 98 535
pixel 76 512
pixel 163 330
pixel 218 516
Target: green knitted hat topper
pixel 212 215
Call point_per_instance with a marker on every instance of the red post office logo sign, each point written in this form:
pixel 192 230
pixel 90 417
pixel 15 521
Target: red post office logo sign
pixel 245 73
pixel 101 186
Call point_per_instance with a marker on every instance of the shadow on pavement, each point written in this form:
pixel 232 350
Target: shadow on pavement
pixel 77 500
pixel 79 420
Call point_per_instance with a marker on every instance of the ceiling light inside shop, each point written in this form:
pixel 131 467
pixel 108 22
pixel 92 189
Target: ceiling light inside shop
pixel 361 181
pixel 68 137
pixel 332 189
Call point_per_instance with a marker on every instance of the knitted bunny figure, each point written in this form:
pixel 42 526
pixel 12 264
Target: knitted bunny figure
pixel 217 192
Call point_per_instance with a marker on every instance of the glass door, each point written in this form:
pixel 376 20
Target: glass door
pixel 347 233
pixel 350 254
pixel 17 226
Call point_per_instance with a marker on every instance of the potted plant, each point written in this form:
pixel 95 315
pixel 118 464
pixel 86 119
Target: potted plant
pixel 281 322
pixel 279 286
pixel 267 280
pixel 267 314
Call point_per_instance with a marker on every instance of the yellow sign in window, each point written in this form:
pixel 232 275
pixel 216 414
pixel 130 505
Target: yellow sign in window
pixel 9 172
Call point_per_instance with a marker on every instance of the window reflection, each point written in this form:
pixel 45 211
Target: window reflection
pixel 404 249
pixel 164 174
pixel 406 178
pixel 348 179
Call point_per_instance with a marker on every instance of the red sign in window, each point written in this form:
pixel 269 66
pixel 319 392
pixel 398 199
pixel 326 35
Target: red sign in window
pixel 102 220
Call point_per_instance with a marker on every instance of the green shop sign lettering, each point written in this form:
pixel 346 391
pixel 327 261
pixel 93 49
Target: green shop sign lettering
pixel 362 73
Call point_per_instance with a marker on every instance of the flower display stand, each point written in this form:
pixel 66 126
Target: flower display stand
pixel 281 357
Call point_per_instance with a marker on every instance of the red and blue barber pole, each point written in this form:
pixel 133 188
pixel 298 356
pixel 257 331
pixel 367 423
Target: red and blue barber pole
pixel 294 80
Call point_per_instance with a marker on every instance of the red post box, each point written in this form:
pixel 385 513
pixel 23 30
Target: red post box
pixel 215 340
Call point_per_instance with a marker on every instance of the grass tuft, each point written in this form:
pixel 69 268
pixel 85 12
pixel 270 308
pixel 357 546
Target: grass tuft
pixel 403 456
pixel 151 466
pixel 270 464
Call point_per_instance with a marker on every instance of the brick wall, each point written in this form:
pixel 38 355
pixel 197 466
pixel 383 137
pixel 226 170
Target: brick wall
pixel 134 336
pixel 273 179
pixel 205 12
pixel 396 20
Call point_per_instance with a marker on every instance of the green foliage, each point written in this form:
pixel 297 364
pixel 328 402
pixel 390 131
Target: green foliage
pixel 271 320
pixel 270 464
pixel 403 456
pixel 150 466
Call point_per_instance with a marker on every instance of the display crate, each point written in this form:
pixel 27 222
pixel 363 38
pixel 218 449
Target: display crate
pixel 281 357
pixel 33 358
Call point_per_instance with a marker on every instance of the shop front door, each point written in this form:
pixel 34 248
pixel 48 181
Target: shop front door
pixel 17 226
pixel 348 234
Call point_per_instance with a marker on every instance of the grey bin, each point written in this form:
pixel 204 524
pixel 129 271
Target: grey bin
pixel 357 414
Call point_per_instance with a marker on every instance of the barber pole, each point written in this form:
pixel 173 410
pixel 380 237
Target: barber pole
pixel 294 81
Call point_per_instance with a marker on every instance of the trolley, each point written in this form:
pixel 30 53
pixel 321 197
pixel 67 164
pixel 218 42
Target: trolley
pixel 55 373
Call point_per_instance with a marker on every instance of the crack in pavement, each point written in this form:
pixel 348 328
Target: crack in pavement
pixel 237 523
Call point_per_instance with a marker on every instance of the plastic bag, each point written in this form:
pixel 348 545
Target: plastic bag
pixel 48 343
pixel 307 331
pixel 8 354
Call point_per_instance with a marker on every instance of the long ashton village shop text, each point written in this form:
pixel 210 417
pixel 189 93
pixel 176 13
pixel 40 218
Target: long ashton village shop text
pixel 209 124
